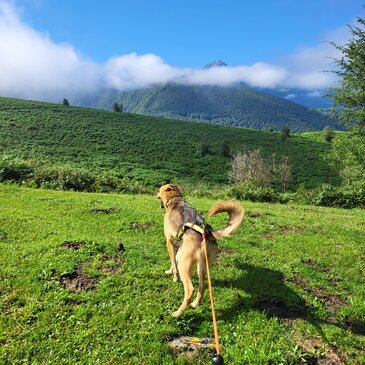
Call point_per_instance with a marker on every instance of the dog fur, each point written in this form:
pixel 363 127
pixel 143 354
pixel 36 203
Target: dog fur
pixel 190 252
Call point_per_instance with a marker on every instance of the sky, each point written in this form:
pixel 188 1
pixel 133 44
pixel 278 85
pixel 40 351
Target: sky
pixel 55 48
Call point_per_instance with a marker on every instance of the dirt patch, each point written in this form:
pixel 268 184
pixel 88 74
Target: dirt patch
pixel 332 302
pixel 78 281
pixel 3 236
pixel 314 265
pixel 103 210
pixel 110 264
pixel 355 326
pixel 73 245
pixel 312 346
pixel 286 230
pixel 267 235
pixel 191 346
pixel 257 214
pixel 276 307
pixel 140 226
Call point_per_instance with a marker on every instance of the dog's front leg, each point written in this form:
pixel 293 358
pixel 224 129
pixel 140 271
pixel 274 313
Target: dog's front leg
pixel 173 268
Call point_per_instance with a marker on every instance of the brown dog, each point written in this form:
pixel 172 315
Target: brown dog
pixel 190 251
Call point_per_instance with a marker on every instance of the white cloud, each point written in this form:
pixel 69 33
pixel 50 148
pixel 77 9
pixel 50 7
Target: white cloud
pixel 34 66
pixel 290 96
pixel 315 94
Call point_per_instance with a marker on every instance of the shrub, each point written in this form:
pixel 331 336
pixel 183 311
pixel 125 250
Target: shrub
pixel 246 191
pixel 13 169
pixel 349 196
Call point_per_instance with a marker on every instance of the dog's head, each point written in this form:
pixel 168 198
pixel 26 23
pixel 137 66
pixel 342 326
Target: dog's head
pixel 167 192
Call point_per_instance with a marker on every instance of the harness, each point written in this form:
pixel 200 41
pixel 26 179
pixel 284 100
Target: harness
pixel 193 220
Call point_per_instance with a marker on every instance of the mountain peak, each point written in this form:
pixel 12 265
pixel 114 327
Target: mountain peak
pixel 216 63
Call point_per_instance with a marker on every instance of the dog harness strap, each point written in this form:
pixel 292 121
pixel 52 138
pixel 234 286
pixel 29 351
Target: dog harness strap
pixel 192 220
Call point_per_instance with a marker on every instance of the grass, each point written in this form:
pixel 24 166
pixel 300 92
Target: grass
pixel 82 283
pixel 146 149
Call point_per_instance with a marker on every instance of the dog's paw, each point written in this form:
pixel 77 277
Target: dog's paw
pixel 168 272
pixel 194 304
pixel 176 314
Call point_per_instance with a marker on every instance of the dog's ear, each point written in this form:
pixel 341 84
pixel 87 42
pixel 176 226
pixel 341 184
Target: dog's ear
pixel 175 187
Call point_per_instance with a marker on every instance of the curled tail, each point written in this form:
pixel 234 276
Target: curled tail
pixel 235 212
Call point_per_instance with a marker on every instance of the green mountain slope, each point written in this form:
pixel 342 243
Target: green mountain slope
pixel 235 105
pixel 141 148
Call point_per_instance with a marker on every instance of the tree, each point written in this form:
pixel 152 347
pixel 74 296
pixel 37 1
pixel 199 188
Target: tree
pixel 117 108
pixel 281 171
pixel 204 149
pixel 285 132
pixel 250 167
pixel 348 153
pixel 65 102
pixel 225 149
pixel 328 134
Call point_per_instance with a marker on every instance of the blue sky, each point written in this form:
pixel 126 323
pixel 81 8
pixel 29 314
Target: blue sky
pixel 190 33
pixel 52 47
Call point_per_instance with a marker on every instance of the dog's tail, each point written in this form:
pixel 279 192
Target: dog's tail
pixel 235 212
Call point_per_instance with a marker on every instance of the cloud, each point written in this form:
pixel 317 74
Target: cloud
pixel 315 94
pixel 290 96
pixel 32 65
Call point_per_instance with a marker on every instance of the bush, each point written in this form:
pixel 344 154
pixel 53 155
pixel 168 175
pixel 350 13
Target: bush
pixel 349 196
pixel 13 169
pixel 253 193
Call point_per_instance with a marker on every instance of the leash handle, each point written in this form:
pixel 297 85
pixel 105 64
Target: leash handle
pixel 215 327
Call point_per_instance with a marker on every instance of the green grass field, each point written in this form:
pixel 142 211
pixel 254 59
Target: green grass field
pixel 145 149
pixel 82 282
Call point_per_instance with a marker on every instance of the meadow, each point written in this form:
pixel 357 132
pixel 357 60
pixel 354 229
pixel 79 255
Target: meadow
pixel 82 282
pixel 136 149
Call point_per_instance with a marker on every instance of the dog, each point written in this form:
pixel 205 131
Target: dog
pixel 190 251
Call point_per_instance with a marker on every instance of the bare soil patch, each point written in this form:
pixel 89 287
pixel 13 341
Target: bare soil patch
pixel 78 280
pixel 267 235
pixel 110 264
pixel 314 265
pixel 73 245
pixel 140 226
pixel 103 210
pixel 286 230
pixel 332 302
pixel 327 355
pixel 283 230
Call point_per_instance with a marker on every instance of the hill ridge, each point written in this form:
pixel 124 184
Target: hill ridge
pixel 236 105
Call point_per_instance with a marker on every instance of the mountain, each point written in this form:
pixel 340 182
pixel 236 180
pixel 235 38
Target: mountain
pixel 236 105
pixel 217 63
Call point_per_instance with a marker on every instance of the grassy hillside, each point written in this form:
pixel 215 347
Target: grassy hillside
pixel 82 282
pixel 235 105
pixel 146 149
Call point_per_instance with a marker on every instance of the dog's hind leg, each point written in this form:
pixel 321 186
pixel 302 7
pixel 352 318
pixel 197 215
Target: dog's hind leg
pixel 201 273
pixel 185 270
pixel 199 295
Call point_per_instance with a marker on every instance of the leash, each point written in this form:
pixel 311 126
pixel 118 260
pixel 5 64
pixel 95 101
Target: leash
pixel 217 357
